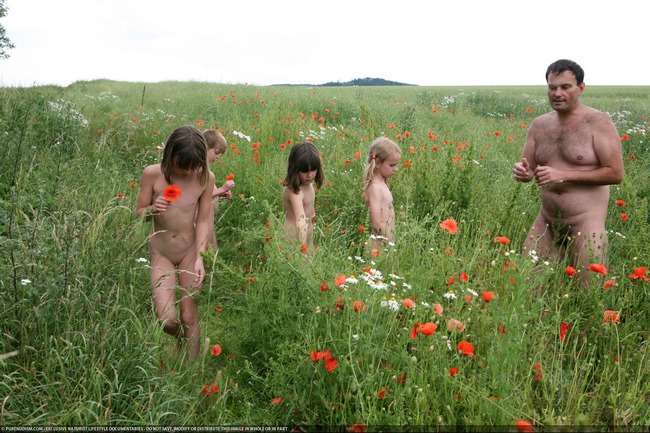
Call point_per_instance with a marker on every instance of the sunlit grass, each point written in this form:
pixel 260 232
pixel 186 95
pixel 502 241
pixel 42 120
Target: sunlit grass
pixel 74 272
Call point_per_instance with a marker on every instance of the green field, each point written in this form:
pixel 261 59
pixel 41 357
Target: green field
pixel 79 341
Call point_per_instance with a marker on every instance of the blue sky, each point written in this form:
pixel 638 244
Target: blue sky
pixel 424 42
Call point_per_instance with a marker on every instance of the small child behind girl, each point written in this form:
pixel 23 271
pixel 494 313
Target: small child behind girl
pixel 216 148
pixel 303 169
pixel 176 195
pixel 383 158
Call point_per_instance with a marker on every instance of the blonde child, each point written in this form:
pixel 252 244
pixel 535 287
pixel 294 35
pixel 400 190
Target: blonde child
pixel 176 195
pixel 303 169
pixel 383 158
pixel 216 147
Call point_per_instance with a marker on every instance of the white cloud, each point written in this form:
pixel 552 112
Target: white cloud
pixel 464 42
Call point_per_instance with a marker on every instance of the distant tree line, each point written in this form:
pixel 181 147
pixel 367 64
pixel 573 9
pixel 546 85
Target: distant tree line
pixel 366 82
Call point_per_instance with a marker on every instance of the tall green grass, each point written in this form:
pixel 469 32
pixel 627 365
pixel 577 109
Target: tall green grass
pixel 81 340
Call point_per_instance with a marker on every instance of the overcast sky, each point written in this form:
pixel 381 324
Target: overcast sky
pixel 262 42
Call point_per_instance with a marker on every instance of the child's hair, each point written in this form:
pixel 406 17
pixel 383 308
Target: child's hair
pixel 381 149
pixel 214 140
pixel 303 157
pixel 185 149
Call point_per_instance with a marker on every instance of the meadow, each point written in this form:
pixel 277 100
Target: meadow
pixel 447 330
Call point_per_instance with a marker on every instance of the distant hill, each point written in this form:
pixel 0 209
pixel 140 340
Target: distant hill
pixel 356 82
pixel 366 82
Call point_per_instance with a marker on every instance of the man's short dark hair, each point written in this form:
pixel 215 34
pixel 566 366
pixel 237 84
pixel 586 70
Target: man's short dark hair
pixel 562 65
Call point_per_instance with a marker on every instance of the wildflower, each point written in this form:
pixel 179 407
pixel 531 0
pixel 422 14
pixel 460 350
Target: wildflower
pixel 449 295
pixel 408 303
pixel 25 281
pixel 359 306
pixel 414 332
pixel 524 426
pixel 230 176
pixel 620 202
pixel 438 309
pixel 450 225
pixel 357 428
pixel 597 267
pixel 538 368
pixel 276 400
pixel 391 303
pixel 382 393
pixel 570 271
pixel 487 296
pixel 428 328
pixel 331 364
pixel 639 274
pixel 501 240
pixel 466 348
pixel 216 350
pixel 339 280
pixel 472 292
pixel 463 277
pixel 611 316
pixel 454 325
pixel 453 371
pixel 563 330
pixel 304 248
pixel 142 260
pixel 324 287
pixel 172 193
pixel 609 283
pixel 624 217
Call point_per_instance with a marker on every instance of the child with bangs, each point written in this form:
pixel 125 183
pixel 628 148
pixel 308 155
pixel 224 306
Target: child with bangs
pixel 176 195
pixel 217 146
pixel 303 169
pixel 383 158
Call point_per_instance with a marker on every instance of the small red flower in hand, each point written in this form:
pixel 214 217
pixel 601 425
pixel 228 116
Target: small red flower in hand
pixel 172 193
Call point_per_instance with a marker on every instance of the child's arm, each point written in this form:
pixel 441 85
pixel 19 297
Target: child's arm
pixel 146 206
pixel 298 210
pixel 374 199
pixel 203 227
pixel 224 190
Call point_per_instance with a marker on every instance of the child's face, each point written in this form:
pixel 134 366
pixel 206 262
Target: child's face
pixel 213 155
pixel 307 177
pixel 389 167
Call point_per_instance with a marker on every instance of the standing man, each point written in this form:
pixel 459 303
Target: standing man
pixel 574 154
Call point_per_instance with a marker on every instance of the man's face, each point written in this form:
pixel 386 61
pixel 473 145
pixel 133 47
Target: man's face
pixel 563 90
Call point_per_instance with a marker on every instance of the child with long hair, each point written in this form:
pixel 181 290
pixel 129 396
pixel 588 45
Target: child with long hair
pixel 383 158
pixel 176 195
pixel 217 146
pixel 303 169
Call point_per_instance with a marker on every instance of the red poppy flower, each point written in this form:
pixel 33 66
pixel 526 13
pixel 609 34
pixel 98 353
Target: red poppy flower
pixel 454 325
pixel 639 274
pixel 206 390
pixel 214 388
pixel 453 371
pixel 502 240
pixel 466 348
pixel 276 400
pixel 609 283
pixel 414 332
pixel 450 225
pixel 487 296
pixel 339 280
pixel 172 193
pixel 408 303
pixel 230 176
pixel 357 428
pixel 304 248
pixel 331 364
pixel 563 330
pixel 611 316
pixel 216 350
pixel 597 267
pixel 438 309
pixel 570 271
pixel 324 287
pixel 624 217
pixel 463 277
pixel 524 426
pixel 359 306
pixel 428 328
pixel 620 202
